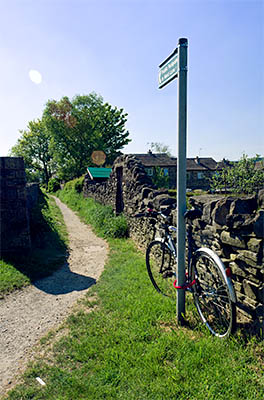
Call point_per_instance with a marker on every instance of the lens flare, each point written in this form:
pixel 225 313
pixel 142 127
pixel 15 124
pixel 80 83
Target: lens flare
pixel 35 76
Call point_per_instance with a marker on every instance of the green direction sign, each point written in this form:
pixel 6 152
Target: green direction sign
pixel 168 69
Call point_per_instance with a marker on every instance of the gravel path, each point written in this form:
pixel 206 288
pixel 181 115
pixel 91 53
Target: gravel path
pixel 27 315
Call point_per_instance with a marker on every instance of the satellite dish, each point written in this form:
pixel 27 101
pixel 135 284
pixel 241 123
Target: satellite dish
pixel 98 157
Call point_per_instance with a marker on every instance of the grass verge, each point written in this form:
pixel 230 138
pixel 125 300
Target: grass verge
pixel 125 345
pixel 49 246
pixel 102 218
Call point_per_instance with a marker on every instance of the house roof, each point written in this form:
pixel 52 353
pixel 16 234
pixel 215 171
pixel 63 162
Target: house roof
pixel 163 160
pixel 99 172
pixel 155 159
pixel 201 164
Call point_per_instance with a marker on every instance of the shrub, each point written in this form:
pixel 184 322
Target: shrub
pixel 75 184
pixel 53 185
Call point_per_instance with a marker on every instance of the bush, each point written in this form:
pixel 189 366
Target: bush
pixel 75 184
pixel 53 185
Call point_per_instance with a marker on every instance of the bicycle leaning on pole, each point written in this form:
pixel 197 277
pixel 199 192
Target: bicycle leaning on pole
pixel 207 278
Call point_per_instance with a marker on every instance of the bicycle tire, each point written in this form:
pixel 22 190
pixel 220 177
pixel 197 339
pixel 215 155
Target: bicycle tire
pixel 213 293
pixel 161 267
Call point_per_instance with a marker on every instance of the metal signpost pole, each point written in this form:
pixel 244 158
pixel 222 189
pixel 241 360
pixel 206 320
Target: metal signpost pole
pixel 181 175
pixel 175 66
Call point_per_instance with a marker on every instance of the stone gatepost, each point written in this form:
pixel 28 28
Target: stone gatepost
pixel 14 219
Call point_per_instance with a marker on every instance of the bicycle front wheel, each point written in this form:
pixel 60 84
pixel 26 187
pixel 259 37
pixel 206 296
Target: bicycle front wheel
pixel 161 267
pixel 213 293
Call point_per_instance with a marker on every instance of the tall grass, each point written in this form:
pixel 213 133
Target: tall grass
pixel 102 218
pixel 123 343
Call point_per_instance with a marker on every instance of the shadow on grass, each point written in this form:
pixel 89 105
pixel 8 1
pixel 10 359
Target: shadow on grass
pixel 46 264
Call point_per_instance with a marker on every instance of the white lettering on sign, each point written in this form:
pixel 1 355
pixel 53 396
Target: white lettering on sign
pixel 168 71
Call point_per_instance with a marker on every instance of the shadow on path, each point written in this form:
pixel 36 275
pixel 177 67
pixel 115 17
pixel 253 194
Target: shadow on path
pixel 64 281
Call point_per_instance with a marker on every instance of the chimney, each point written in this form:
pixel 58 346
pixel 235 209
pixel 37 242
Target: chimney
pixel 197 160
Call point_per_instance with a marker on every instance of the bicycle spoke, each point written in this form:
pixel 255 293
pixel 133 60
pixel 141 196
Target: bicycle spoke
pixel 211 295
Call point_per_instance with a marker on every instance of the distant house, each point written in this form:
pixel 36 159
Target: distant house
pixel 151 161
pixel 98 174
pixel 199 169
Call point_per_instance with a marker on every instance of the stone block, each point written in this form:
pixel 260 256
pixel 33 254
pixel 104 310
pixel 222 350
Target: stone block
pixel 232 240
pixel 250 289
pixel 221 210
pixel 245 205
pixel 255 245
pixel 145 192
pixel 259 225
pixel 248 256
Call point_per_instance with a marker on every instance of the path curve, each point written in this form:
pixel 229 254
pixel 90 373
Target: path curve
pixel 27 315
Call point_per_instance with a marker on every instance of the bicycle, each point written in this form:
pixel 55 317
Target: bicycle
pixel 207 278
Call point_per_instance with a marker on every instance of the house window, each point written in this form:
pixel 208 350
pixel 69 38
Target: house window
pixel 149 171
pixel 165 171
pixel 200 175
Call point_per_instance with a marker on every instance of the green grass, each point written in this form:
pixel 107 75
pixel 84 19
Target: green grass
pixel 102 218
pixel 123 343
pixel 11 278
pixel 49 245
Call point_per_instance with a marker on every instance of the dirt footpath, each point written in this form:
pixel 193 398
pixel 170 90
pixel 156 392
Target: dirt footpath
pixel 27 315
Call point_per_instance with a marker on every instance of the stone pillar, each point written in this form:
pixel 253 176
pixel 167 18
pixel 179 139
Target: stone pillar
pixel 14 219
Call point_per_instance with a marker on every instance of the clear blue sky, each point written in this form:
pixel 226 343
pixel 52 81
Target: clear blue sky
pixel 114 47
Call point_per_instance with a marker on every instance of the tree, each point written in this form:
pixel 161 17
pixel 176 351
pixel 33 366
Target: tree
pixel 160 179
pixel 33 146
pixel 241 177
pixel 157 147
pixel 79 127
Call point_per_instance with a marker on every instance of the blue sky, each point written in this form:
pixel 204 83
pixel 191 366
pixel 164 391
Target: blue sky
pixel 114 47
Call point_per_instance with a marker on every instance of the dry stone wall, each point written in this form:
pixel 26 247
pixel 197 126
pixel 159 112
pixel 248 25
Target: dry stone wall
pixel 14 217
pixel 128 190
pixel 232 227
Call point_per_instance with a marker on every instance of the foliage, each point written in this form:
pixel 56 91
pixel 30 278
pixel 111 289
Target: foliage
pixel 122 342
pixel 33 146
pixel 157 147
pixel 79 127
pixel 159 178
pixel 241 177
pixel 75 185
pixel 101 217
pixel 53 185
pixel 63 140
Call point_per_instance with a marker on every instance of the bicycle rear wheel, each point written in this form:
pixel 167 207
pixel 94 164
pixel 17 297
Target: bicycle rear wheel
pixel 161 267
pixel 213 293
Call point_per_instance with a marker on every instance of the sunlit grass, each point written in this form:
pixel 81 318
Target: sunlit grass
pixel 123 343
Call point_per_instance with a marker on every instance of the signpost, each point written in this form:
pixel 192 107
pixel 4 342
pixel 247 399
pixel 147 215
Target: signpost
pixel 175 66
